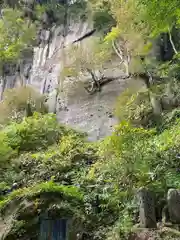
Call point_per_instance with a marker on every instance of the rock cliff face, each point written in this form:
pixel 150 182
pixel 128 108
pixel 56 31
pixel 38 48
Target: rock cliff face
pixel 90 113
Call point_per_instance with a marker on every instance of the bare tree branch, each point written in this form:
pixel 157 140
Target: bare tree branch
pixel 171 41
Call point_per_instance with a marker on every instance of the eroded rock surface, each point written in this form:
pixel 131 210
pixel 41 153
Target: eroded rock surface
pixel 90 113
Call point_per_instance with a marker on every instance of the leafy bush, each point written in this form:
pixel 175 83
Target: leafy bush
pixel 15 35
pixel 132 158
pixel 33 133
pixel 15 103
pixel 121 228
pixel 64 161
pixel 57 169
pixel 59 150
pixel 46 149
pixel 167 146
pixel 134 107
pixel 141 158
pixel 169 119
pixel 57 153
pixel 40 189
pixel 6 152
pixel 128 166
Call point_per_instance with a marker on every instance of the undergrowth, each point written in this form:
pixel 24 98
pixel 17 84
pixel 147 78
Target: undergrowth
pixel 52 165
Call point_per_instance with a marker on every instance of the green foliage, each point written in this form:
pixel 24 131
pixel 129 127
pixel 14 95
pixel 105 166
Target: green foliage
pixel 15 35
pixel 130 31
pixel 138 158
pixel 170 119
pixel 132 158
pixel 59 154
pixel 54 150
pixel 55 168
pixel 6 152
pixel 43 189
pixel 124 147
pixel 103 19
pixel 33 133
pixel 57 9
pixel 161 15
pixel 64 161
pixel 134 107
pixel 59 149
pixel 122 228
pixel 15 103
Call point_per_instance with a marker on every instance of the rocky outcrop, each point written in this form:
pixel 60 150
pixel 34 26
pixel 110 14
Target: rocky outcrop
pixel 91 113
pixel 41 69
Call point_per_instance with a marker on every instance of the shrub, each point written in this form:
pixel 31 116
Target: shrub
pixel 89 180
pixel 141 158
pixel 6 152
pixel 43 149
pixel 134 107
pixel 40 189
pixel 132 158
pixel 169 119
pixel 33 133
pixel 15 103
pixel 128 148
pixel 65 161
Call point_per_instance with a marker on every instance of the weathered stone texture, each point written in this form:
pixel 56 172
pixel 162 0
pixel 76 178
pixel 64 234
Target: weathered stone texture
pixel 147 209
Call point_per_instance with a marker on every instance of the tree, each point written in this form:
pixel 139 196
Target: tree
pixel 162 16
pixel 101 14
pixel 88 60
pixel 15 36
pixel 130 37
pixel 130 40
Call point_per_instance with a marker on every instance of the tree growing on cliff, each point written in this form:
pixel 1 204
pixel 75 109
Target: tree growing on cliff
pixel 15 36
pixel 131 41
pixel 88 58
pixel 130 37
pixel 162 16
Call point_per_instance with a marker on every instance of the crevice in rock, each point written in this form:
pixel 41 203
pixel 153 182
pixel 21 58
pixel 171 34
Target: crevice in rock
pixel 89 34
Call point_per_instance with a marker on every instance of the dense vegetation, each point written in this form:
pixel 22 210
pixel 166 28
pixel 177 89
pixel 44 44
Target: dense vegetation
pixel 55 167
pixel 49 168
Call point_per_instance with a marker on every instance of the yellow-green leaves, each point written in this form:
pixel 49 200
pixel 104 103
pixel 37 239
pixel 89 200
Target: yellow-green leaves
pixel 113 34
pixel 160 14
pixel 15 35
pixel 90 54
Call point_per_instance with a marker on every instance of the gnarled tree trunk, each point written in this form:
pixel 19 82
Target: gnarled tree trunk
pixel 122 52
